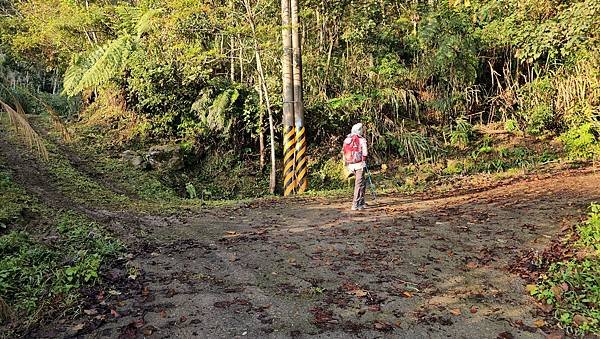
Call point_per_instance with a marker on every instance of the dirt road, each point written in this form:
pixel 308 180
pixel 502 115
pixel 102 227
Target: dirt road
pixel 413 267
pixel 421 266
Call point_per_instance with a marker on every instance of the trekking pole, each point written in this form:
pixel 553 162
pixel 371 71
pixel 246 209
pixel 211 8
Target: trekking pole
pixel 371 185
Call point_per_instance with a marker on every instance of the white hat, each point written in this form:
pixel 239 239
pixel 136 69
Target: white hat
pixel 357 129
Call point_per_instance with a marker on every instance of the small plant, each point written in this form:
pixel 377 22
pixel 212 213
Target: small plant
pixel 462 134
pixel 13 199
pixel 413 146
pixel 539 119
pixel 32 272
pixel 511 125
pixel 191 190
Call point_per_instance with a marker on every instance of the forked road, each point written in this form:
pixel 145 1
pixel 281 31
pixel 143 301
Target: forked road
pixel 411 267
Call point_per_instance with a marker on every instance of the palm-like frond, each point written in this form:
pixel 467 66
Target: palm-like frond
pixel 19 121
pixel 98 67
pixel 147 22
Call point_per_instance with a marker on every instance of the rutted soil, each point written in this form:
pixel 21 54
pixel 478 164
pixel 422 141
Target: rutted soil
pixel 417 266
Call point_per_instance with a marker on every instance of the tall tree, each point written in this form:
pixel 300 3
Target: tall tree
pixel 263 90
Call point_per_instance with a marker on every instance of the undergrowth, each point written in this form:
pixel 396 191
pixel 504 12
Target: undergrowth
pixel 14 201
pixel 38 275
pixel 572 286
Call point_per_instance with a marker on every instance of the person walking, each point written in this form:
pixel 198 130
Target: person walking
pixel 355 156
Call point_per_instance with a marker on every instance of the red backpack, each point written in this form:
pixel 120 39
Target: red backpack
pixel 352 150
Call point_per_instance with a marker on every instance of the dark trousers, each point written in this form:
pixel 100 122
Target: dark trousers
pixel 360 186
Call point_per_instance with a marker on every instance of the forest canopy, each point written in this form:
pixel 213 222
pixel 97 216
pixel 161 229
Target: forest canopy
pixel 412 71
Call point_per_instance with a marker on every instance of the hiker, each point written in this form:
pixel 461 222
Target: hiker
pixel 355 154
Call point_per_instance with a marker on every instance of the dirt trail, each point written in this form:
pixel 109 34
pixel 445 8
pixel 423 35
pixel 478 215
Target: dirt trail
pixel 410 266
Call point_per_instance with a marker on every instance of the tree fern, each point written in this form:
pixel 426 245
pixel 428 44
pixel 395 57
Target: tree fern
pixel 213 112
pixel 99 67
pixel 147 22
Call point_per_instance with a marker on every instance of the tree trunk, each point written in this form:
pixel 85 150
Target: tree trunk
pixel 301 170
pixel 241 58
pixel 231 45
pixel 261 131
pixel 263 83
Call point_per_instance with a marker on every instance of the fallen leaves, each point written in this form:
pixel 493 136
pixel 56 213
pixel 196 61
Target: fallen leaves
pixel 472 265
pixel 531 288
pixel 546 308
pixel 579 320
pixel 539 323
pixel 556 335
pixel 505 335
pixel 322 316
pixel 358 293
pixel 456 311
pixel 473 309
pixel 90 311
pixel 375 308
pixel 78 327
pixel 382 325
pixel 557 291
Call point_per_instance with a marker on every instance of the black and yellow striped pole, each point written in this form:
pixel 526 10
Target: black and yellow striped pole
pixel 289 149
pixel 289 132
pixel 301 165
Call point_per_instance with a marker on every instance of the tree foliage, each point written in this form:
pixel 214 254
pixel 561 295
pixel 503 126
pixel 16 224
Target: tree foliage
pixel 189 68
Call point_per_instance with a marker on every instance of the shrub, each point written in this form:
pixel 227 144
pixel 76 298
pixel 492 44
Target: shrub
pixel 511 125
pixel 582 142
pixel 539 119
pixel 462 134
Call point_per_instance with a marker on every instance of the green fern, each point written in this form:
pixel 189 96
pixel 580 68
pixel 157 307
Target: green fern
pixel 412 145
pixel 99 67
pixel 96 68
pixel 213 113
pixel 147 22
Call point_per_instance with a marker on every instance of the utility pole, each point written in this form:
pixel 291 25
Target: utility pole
pixel 301 169
pixel 289 133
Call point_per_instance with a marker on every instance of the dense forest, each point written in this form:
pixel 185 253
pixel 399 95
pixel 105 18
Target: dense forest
pixel 186 94
pixel 418 74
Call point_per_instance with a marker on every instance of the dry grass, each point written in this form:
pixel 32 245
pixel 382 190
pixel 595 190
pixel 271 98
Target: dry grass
pixel 20 123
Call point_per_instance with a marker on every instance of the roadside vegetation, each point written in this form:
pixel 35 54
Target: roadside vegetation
pixel 571 284
pixel 44 266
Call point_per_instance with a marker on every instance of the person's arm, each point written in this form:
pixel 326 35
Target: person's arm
pixel 363 149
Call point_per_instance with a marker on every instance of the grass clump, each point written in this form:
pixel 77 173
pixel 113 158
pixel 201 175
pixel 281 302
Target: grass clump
pixel 572 286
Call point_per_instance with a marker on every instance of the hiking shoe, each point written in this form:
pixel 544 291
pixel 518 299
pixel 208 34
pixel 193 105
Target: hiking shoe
pixel 354 208
pixel 363 207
